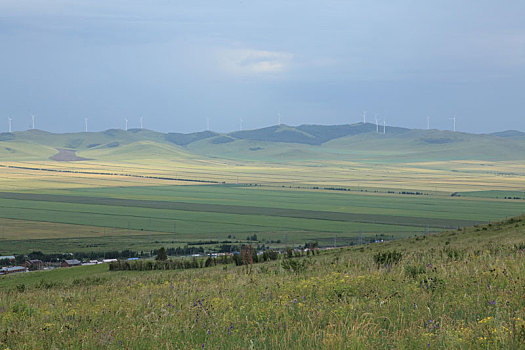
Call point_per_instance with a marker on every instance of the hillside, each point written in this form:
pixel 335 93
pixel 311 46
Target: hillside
pixel 430 292
pixel 509 133
pixel 280 142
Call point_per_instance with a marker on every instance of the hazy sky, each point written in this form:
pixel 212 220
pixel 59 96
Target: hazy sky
pixel 177 63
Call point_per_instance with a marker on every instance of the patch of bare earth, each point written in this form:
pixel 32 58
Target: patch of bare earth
pixel 67 155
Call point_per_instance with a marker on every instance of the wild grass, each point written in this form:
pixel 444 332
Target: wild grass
pixel 434 294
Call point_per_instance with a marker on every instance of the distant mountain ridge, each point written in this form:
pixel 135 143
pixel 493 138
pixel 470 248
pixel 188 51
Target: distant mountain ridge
pixel 279 141
pixel 302 134
pixel 509 133
pixel 310 134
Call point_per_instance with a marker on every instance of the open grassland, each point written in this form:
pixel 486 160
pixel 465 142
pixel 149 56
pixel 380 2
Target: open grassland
pixel 441 293
pixel 100 219
pixel 445 176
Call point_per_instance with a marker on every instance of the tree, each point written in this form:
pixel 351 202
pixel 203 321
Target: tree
pixel 20 259
pixel 161 254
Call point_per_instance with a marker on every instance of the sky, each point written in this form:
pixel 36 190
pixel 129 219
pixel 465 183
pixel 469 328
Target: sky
pixel 184 66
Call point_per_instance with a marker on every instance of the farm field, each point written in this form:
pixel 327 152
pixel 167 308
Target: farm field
pixel 435 176
pixel 129 217
pixel 438 292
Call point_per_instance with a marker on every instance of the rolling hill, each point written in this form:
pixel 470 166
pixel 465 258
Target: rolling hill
pixel 279 142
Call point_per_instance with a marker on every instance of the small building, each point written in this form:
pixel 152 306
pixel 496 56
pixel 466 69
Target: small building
pixel 12 269
pixel 70 263
pixel 8 257
pixel 91 263
pixel 34 264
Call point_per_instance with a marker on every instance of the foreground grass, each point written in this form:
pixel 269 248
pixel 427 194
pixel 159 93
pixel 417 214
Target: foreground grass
pixel 442 294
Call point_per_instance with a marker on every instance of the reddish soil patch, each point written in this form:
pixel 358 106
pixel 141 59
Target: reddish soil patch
pixel 67 155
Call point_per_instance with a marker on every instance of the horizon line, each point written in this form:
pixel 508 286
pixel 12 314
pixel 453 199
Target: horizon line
pixel 264 127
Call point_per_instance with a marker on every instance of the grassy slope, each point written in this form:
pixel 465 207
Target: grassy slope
pixel 302 142
pixel 361 142
pixel 443 294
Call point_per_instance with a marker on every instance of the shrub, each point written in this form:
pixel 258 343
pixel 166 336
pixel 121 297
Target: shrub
pixel 413 271
pixel 270 255
pixel 47 284
pixel 433 284
pixel 161 254
pixel 293 265
pixel 454 254
pixel 520 246
pixel 387 258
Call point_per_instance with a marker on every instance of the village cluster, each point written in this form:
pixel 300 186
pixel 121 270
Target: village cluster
pixel 35 264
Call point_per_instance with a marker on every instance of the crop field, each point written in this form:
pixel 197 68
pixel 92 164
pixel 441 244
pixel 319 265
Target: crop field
pixel 437 293
pixel 95 219
pixel 435 176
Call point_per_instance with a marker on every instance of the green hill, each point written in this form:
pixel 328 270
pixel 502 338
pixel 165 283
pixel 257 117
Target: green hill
pixel 278 133
pixel 310 134
pixel 136 151
pixel 280 142
pixel 186 139
pixel 510 133
pixel 429 145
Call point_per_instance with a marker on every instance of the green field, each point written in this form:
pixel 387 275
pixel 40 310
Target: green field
pixel 144 217
pixel 495 194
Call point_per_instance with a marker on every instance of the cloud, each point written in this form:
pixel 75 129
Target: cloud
pixel 253 62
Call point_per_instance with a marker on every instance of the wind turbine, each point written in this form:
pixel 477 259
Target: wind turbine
pixel 279 118
pixel 33 121
pixel 454 119
pixel 240 124
pixel 428 123
pixel 86 124
pixel 384 126
pixel 126 119
pixel 141 124
pixel 9 122
pixel 377 125
pixel 364 117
